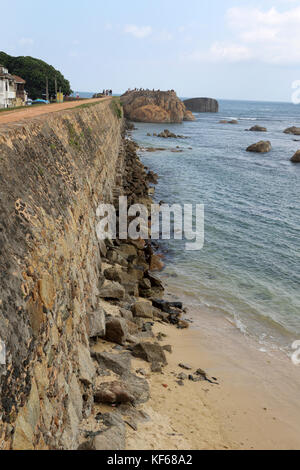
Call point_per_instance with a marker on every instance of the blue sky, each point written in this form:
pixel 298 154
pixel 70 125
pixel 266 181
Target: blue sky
pixel 232 49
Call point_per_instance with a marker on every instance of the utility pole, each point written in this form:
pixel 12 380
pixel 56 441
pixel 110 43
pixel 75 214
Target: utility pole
pixel 55 81
pixel 47 89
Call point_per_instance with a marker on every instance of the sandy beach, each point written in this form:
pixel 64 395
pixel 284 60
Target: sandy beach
pixel 255 405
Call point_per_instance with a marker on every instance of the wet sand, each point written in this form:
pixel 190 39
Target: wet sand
pixel 255 405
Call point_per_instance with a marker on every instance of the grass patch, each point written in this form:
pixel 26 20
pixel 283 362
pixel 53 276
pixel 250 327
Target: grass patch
pixel 74 138
pixel 86 105
pixel 117 107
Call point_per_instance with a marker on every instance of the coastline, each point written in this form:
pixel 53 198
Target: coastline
pixel 253 407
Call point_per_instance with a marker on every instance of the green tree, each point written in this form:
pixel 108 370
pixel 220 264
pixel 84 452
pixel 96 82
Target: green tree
pixel 35 72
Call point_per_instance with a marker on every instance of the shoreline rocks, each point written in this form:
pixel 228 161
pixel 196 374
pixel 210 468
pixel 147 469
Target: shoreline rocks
pixel 130 301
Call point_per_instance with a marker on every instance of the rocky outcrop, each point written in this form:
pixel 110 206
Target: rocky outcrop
pixel 155 107
pixel 202 105
pixel 257 129
pixel 260 147
pixel 296 158
pixel 292 130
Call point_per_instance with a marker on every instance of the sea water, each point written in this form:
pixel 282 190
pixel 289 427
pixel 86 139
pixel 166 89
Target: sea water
pixel 249 268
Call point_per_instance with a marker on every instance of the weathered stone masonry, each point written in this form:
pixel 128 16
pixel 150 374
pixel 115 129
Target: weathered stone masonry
pixel 54 171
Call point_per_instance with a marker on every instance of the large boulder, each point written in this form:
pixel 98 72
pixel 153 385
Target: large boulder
pixel 129 389
pixel 143 310
pixel 292 130
pixel 202 105
pixel 154 106
pixel 118 363
pixel 260 147
pixel 112 290
pixel 296 158
pixel 150 352
pixel 113 392
pixel 96 323
pixel 116 330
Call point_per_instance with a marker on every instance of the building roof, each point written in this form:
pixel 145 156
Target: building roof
pixel 7 76
pixel 19 79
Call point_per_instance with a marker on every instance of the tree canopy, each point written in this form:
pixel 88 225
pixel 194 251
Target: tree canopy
pixel 35 72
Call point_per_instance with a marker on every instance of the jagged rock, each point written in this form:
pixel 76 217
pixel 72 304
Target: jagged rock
pixel 181 324
pixel 96 323
pixel 292 130
pixel 113 392
pixel 130 389
pixel 156 263
pixel 258 129
pixel 156 368
pixel 127 250
pixel 112 290
pixel 145 284
pixel 168 307
pixel 152 177
pixel 185 366
pixel 127 314
pixel 155 281
pixel 296 157
pixel 202 105
pixel 102 248
pixel 142 310
pixel 182 376
pixel 118 363
pixel 260 147
pixel 166 134
pixel 167 348
pixel 116 330
pixel 150 352
pixel 113 274
pixel 132 289
pixel 87 369
pixel 154 106
pixel 138 388
pixel 112 438
pixel 201 373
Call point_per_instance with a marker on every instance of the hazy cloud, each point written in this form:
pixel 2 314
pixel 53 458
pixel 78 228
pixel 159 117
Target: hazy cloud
pixel 138 31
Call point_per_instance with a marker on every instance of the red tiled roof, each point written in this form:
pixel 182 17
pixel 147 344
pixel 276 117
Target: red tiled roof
pixel 18 79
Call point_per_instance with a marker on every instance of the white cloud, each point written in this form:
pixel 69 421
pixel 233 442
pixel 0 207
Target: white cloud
pixel 269 36
pixel 138 31
pixel 26 42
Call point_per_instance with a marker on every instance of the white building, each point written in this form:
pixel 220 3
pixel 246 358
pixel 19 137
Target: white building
pixel 8 89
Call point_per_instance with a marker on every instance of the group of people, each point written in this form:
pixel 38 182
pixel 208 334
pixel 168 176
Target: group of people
pixel 142 90
pixel 107 92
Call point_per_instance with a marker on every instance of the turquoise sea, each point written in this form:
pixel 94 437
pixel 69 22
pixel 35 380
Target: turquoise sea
pixel 249 268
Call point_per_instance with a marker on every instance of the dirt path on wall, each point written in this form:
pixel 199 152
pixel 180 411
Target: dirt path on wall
pixel 34 111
